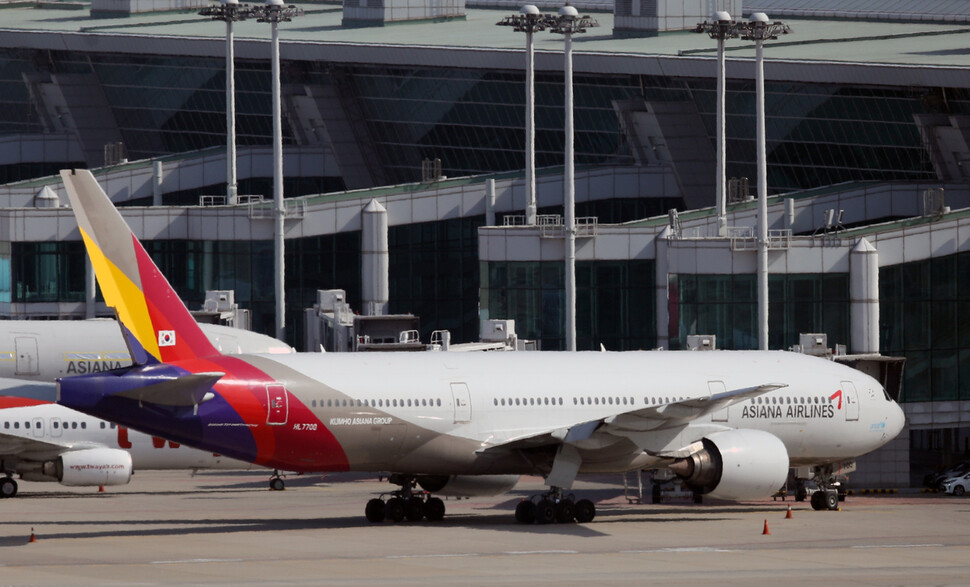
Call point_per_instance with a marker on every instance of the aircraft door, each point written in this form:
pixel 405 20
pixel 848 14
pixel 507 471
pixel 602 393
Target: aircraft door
pixel 716 387
pixel 851 399
pixel 27 362
pixel 463 403
pixel 277 407
pixel 56 427
pixel 38 427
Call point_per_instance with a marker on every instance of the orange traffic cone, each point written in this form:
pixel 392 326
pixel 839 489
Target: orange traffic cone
pixel 788 515
pixel 32 537
pixel 100 488
pixel 765 532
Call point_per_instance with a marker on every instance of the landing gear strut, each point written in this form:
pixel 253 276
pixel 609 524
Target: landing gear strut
pixel 554 506
pixel 406 503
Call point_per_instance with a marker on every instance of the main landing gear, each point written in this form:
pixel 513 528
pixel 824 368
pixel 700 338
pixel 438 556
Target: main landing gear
pixel 406 503
pixel 554 506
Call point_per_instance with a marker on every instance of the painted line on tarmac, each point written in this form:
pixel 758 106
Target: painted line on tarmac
pixel 197 561
pixel 898 545
pixel 442 555
pixel 519 552
pixel 682 549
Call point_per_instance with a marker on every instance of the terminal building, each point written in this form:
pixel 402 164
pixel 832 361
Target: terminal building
pixel 422 123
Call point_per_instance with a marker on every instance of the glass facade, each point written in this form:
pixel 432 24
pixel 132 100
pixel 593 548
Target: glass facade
pixel 169 105
pixel 614 302
pixel 727 306
pixel 434 275
pixel 472 119
pixel 312 263
pixel 924 315
pixel 44 272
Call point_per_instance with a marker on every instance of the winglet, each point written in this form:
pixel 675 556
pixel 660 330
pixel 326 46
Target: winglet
pixel 146 304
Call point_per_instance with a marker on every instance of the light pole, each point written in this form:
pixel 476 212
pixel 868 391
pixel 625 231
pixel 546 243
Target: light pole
pixel 758 29
pixel 722 28
pixel 529 20
pixel 567 23
pixel 275 12
pixel 229 11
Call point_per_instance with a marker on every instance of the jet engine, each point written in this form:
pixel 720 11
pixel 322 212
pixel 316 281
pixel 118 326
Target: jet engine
pixel 81 468
pixel 736 465
pixel 467 485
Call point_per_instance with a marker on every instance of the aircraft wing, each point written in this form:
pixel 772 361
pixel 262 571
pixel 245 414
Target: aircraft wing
pixel 29 448
pixel 683 412
pixel 655 428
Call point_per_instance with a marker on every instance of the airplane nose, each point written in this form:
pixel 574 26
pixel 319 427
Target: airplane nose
pixel 896 420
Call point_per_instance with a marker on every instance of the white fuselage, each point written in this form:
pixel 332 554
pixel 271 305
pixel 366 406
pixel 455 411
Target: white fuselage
pixel 825 411
pixel 62 427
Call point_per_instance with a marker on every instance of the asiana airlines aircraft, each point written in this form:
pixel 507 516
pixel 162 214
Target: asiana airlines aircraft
pixel 730 424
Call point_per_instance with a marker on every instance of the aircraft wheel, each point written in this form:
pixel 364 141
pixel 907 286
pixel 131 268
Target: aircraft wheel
pixel 831 500
pixel 277 484
pixel 394 510
pixel 434 509
pixel 414 509
pixel 565 511
pixel 525 512
pixel 374 511
pixel 8 487
pixel 545 512
pixel 585 511
pixel 818 502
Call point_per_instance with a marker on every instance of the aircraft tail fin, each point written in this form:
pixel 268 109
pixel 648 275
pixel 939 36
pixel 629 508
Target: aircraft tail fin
pixel 151 313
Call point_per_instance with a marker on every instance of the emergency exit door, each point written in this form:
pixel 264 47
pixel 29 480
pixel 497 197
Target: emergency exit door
pixel 463 403
pixel 27 362
pixel 277 407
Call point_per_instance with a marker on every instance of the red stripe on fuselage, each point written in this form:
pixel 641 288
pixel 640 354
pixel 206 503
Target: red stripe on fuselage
pixel 19 402
pixel 281 446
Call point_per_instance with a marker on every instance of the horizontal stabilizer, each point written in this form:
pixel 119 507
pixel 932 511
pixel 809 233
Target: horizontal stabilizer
pixel 183 391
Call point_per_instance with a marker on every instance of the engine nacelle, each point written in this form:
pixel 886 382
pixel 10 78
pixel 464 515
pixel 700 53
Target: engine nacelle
pixel 94 466
pixel 467 485
pixel 736 465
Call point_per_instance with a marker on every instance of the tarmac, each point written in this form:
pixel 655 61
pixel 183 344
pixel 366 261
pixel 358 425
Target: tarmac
pixel 218 528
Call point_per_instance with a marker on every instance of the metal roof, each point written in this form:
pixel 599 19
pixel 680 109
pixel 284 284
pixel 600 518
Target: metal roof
pixel 912 10
pixel 839 51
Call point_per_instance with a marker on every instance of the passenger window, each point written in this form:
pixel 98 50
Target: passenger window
pixel 84 425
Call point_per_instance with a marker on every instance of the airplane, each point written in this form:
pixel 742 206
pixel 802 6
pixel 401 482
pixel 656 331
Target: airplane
pixel 730 424
pixel 43 350
pixel 46 442
pixel 42 441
